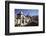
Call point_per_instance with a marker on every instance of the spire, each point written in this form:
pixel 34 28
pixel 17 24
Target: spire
pixel 30 14
pixel 21 12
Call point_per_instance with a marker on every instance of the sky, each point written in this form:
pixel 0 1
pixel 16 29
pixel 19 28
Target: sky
pixel 30 12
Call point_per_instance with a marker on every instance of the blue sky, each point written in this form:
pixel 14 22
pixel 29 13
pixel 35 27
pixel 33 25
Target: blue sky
pixel 32 12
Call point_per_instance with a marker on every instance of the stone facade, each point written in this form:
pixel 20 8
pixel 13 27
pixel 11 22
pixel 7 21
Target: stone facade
pixel 22 19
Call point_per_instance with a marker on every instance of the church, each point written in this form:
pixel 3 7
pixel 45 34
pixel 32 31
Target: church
pixel 21 19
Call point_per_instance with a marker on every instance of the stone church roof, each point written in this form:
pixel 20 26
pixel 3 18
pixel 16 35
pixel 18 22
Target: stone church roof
pixel 21 13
